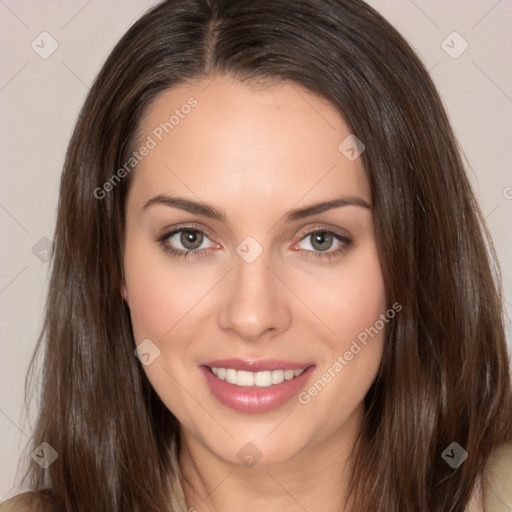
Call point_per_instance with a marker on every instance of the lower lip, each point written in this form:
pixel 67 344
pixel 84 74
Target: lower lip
pixel 255 399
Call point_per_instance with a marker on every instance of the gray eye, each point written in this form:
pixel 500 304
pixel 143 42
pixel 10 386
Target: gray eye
pixel 191 239
pixel 321 240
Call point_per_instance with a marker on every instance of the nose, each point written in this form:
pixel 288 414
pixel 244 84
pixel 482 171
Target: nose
pixel 254 304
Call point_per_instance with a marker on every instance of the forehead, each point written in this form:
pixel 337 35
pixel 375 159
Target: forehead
pixel 233 144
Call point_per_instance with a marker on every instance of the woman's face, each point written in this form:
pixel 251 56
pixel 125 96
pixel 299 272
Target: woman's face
pixel 261 283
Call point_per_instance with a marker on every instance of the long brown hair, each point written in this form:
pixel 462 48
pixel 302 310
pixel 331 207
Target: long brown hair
pixel 444 375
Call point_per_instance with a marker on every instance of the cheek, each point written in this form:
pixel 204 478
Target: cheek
pixel 349 299
pixel 160 295
pixel 157 294
pixel 350 304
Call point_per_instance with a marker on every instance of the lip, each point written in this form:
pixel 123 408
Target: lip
pixel 256 365
pixel 255 399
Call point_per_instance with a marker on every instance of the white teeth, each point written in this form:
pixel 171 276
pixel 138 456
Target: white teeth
pixel 244 378
pixel 263 379
pixel 277 376
pixel 289 374
pixel 259 379
pixel 231 376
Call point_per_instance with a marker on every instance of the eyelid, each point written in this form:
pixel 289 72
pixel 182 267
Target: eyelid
pixel 343 233
pixel 342 236
pixel 167 232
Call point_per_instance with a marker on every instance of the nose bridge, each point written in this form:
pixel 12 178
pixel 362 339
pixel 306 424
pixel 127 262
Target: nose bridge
pixel 255 300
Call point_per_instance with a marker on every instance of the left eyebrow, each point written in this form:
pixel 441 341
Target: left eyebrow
pixel 316 208
pixel 214 213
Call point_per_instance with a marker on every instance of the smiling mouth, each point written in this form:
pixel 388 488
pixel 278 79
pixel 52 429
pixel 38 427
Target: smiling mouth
pixel 255 386
pixel 263 379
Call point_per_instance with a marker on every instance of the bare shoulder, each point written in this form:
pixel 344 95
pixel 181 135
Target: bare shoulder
pixel 497 480
pixel 30 501
pixel 19 503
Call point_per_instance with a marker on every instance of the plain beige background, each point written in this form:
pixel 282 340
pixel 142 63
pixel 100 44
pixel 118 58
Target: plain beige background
pixel 40 96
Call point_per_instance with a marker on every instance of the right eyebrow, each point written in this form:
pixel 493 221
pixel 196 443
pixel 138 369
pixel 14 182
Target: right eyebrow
pixel 187 205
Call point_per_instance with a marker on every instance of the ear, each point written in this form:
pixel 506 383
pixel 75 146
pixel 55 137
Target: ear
pixel 124 292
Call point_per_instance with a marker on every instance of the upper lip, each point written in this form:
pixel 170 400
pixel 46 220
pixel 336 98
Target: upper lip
pixel 256 365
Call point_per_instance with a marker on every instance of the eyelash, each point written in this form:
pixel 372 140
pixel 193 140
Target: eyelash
pixel 179 253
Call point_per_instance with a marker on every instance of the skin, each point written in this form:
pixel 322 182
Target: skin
pixel 255 153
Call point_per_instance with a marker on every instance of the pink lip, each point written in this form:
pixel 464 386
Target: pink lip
pixel 255 399
pixel 252 365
